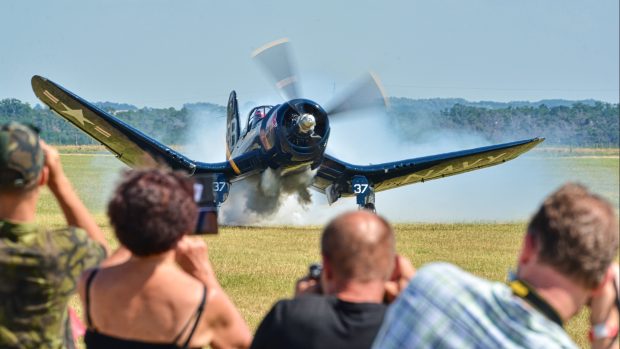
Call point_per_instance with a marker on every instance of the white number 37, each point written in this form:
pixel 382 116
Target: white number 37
pixel 360 188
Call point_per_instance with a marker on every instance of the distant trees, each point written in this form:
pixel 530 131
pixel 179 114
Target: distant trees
pixel 167 125
pixel 591 124
pixel 586 123
pixel 582 125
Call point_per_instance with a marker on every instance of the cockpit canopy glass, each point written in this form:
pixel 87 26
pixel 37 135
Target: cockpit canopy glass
pixel 257 114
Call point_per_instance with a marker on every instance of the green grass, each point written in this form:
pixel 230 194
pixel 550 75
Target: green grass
pixel 258 266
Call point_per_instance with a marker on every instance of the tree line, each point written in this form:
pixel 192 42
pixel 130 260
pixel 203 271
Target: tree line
pixel 565 123
pixel 579 124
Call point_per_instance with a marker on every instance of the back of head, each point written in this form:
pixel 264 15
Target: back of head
pixel 359 246
pixel 21 157
pixel 152 209
pixel 576 233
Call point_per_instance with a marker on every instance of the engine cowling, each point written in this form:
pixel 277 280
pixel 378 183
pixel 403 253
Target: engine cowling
pixel 303 130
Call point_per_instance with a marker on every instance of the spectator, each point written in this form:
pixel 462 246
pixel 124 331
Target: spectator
pixel 39 267
pixel 147 301
pixel 564 262
pixel 346 309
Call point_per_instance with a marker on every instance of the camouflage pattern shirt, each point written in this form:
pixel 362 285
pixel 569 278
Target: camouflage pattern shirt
pixel 39 270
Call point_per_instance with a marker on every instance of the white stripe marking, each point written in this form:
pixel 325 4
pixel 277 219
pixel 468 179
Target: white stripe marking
pixel 103 132
pixel 50 96
pixel 260 50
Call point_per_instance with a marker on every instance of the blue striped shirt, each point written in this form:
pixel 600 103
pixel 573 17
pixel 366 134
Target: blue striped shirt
pixel 446 307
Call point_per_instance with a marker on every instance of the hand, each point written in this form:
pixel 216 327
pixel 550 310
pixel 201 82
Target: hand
pixel 193 257
pixel 53 164
pixel 602 307
pixel 403 272
pixel 306 285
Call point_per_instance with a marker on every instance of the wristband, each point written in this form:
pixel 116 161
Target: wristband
pixel 602 331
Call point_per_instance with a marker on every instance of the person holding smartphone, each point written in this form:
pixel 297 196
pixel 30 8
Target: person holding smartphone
pixel 164 294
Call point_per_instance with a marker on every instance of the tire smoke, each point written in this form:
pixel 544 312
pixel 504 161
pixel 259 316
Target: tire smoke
pixel 256 200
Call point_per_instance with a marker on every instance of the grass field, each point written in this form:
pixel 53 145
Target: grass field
pixel 257 266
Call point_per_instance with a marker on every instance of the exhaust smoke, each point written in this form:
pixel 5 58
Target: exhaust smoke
pixel 259 198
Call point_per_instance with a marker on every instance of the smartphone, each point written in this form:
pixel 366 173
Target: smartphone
pixel 210 190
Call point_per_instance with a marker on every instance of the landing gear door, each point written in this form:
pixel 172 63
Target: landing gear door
pixel 232 122
pixel 364 192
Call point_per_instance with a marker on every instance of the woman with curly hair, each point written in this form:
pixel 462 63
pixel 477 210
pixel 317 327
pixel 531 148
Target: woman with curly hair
pixel 164 294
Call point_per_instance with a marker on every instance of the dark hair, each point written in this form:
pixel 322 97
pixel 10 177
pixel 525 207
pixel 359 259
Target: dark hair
pixel 152 209
pixel 360 246
pixel 577 234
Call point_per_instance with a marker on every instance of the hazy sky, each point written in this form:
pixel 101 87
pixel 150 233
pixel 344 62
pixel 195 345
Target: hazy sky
pixel 166 53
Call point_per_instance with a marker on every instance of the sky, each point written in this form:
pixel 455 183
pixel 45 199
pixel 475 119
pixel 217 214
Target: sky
pixel 165 53
pixel 162 53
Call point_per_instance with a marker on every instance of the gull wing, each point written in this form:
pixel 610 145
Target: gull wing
pixel 395 174
pixel 130 145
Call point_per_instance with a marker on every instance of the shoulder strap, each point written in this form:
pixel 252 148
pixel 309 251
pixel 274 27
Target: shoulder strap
pixel 525 291
pixel 197 314
pixel 89 281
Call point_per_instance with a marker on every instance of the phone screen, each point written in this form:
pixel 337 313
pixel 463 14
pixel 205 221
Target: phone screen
pixel 205 196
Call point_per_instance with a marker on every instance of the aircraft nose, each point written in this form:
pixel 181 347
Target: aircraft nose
pixel 306 123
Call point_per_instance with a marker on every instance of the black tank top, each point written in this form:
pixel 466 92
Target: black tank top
pixel 98 340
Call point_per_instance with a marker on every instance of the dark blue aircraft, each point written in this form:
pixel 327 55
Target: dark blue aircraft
pixel 290 138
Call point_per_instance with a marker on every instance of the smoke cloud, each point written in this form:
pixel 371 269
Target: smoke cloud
pixel 508 192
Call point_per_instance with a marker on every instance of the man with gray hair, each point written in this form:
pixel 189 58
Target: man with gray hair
pixel 345 309
pixel 39 267
pixel 565 263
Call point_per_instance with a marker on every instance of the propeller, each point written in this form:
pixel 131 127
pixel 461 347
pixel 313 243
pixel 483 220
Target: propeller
pixel 366 93
pixel 275 59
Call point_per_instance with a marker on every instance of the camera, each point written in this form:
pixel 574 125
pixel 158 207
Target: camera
pixel 314 271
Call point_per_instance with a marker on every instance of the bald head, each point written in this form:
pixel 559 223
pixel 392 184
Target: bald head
pixel 359 246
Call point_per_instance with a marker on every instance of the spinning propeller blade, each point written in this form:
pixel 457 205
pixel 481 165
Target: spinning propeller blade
pixel 276 60
pixel 365 93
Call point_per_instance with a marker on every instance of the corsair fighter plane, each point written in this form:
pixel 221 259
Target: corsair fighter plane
pixel 290 137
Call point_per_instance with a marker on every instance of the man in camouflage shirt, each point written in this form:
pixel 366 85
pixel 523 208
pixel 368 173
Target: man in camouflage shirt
pixel 39 267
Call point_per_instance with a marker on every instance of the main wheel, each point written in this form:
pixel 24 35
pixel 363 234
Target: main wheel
pixel 370 206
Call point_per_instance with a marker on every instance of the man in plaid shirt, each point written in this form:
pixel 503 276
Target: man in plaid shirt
pixel 565 263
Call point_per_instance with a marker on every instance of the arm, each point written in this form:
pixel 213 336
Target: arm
pixel 229 328
pixel 604 311
pixel 223 318
pixel 72 207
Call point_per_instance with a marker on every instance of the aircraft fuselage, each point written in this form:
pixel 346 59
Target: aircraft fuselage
pixel 289 137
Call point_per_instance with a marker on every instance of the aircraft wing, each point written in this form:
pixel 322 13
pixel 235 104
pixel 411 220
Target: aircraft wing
pixel 395 174
pixel 128 144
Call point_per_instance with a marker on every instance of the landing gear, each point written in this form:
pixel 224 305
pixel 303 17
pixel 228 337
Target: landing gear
pixel 370 207
pixel 360 186
pixel 364 193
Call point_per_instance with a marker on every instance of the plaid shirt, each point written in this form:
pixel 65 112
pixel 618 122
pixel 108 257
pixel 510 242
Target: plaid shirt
pixel 446 307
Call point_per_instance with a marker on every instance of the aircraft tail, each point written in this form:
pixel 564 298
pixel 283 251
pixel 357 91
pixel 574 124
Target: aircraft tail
pixel 232 123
